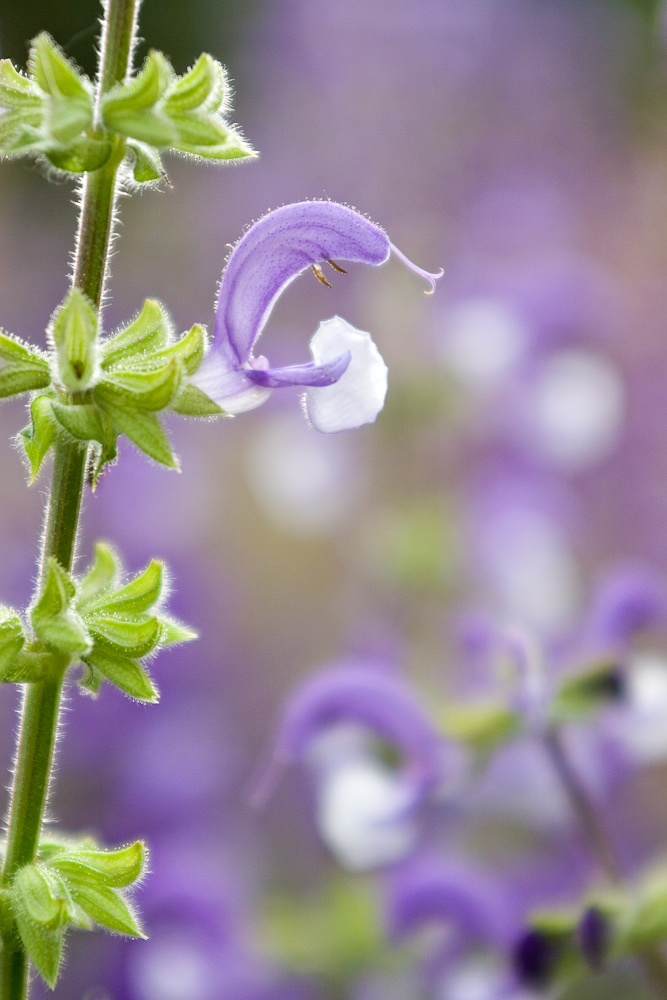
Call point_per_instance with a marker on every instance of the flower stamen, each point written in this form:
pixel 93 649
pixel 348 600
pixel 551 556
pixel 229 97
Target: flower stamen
pixel 319 274
pixel 336 267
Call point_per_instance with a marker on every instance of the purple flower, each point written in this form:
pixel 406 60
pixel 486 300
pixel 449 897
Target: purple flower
pixel 365 808
pixel 346 381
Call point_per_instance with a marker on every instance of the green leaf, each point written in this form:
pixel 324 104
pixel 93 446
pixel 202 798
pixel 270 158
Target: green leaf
pixel 143 91
pixel 73 330
pixel 54 73
pixel 138 595
pixel 132 637
pixel 86 154
pixel 190 401
pixel 114 869
pixel 173 632
pixel 140 426
pixel 642 919
pixel 108 909
pixel 101 576
pixel 150 331
pixel 146 388
pixel 482 726
pixel 54 619
pixel 17 90
pixel 40 433
pixel 124 672
pixel 584 692
pixel 12 639
pixel 147 163
pixel 203 86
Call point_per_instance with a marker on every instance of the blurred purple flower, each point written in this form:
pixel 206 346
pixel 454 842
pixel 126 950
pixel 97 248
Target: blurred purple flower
pixel 264 261
pixel 365 808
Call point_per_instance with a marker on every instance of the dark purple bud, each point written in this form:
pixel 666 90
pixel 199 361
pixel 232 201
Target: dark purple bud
pixel 593 936
pixel 628 600
pixel 534 958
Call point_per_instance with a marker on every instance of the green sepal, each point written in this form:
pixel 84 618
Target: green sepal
pixel 40 433
pixel 190 401
pixel 189 351
pixel 141 426
pixel 91 681
pixel 134 637
pixel 18 378
pixel 73 330
pixel 15 351
pixel 82 421
pixel 174 632
pixel 145 388
pixel 140 93
pixel 135 597
pixel 87 154
pixel 113 869
pixel 53 617
pixel 582 693
pixel 482 726
pixel 42 907
pixel 102 575
pixel 147 165
pixel 107 908
pixel 147 126
pixel 209 137
pixel 17 90
pixel 203 87
pixel 123 672
pixel 22 368
pixel 150 331
pixel 42 895
pixel 12 639
pixel 54 73
pixel 28 666
pixel 20 132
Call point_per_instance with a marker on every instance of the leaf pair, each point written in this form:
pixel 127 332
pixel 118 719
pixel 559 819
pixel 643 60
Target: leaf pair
pixel 73 887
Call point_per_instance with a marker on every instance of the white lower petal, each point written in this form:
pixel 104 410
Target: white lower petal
pixel 359 394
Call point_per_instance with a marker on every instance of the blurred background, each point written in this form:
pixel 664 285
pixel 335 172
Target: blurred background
pixel 522 452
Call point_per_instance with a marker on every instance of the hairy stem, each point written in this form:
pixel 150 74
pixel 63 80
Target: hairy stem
pixel 652 959
pixel 41 703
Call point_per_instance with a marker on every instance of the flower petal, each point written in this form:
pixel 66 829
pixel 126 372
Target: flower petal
pixel 228 385
pixel 308 374
pixel 274 251
pixel 358 395
pixel 365 694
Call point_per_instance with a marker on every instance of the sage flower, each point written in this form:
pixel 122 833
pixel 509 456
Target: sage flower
pixel 346 381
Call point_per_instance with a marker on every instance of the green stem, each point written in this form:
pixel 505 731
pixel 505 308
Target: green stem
pixel 652 959
pixel 41 703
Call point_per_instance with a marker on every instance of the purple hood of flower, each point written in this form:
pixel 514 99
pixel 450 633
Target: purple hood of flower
pixel 362 693
pixel 627 600
pixel 270 255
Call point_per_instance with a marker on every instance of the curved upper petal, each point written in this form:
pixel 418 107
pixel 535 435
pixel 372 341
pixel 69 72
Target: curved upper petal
pixel 360 693
pixel 274 251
